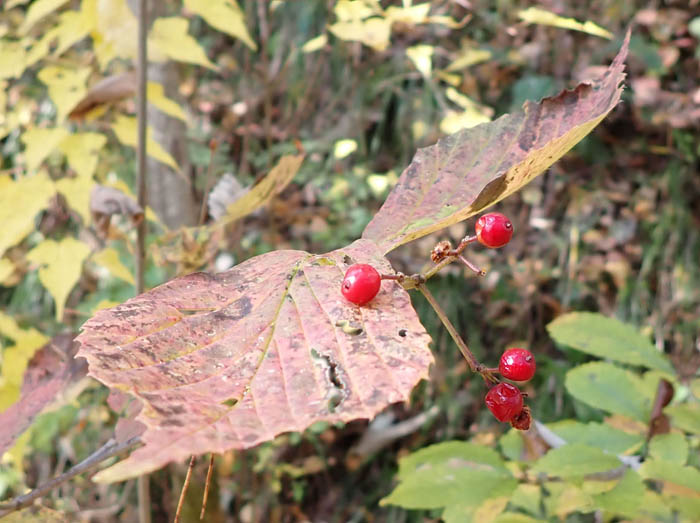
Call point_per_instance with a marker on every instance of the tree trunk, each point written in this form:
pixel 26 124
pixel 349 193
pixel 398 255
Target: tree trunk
pixel 170 194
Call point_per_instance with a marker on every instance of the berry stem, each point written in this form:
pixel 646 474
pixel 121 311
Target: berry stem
pixel 452 256
pixel 473 363
pixel 471 266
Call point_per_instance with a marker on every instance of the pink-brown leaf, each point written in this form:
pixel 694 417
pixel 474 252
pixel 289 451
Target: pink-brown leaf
pixel 466 172
pixel 231 360
pixel 49 373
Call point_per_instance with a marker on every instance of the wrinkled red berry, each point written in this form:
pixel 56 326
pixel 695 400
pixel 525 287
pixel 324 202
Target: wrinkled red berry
pixel 504 401
pixel 361 283
pixel 517 364
pixel 494 230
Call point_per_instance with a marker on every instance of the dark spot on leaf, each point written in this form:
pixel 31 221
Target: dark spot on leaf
pixel 347 260
pixel 300 273
pixel 402 333
pixel 235 311
pixel 172 422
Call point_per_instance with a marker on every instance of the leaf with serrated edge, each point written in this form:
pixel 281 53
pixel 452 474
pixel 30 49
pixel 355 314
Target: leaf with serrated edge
pixel 231 360
pixel 607 338
pixel 468 171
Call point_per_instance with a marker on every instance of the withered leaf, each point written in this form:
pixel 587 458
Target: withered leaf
pixel 106 201
pixel 231 360
pixel 468 171
pixel 108 90
pixel 50 372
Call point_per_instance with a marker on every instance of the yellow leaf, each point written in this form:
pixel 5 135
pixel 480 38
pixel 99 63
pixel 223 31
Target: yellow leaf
pixel 61 266
pixel 351 10
pixel 71 28
pixel 373 32
pixel 14 3
pixel 414 14
pixel 157 97
pixel 39 143
pixel 15 358
pixel 468 57
pixel 535 15
pixel 7 268
pixel 315 43
pixel 20 201
pixel 77 193
pixel 343 148
pixel 125 129
pixel 114 29
pixel 275 181
pixel 13 61
pixel 66 87
pixel 169 39
pixel 422 58
pixel 109 259
pixel 224 15
pixel 81 150
pixel 38 10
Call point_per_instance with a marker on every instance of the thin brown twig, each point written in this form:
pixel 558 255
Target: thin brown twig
pixel 473 363
pixel 144 498
pixel 108 450
pixel 206 486
pixel 185 486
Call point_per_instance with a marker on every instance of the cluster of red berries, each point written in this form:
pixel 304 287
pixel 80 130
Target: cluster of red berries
pixel 505 401
pixel 362 282
pixel 493 230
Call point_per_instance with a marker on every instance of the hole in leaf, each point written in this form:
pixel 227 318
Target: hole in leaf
pixel 231 402
pixel 402 333
pixel 347 260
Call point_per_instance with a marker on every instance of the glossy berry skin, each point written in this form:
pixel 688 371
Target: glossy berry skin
pixel 361 283
pixel 517 364
pixel 504 401
pixel 494 230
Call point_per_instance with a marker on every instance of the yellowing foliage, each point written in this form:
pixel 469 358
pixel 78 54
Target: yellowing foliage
pixel 66 87
pixel 109 259
pixel 61 266
pixel 15 357
pixel 20 201
pixel 169 39
pixel 39 143
pixel 125 129
pixel 224 15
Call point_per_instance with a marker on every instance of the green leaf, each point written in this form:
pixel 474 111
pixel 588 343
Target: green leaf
pixel 671 447
pixel 450 473
pixel 224 15
pixel 671 473
pixel 599 435
pixel 528 497
pixel 575 460
pixel 607 338
pixel 610 388
pixel 625 498
pixel 485 512
pixel 514 517
pixel 685 416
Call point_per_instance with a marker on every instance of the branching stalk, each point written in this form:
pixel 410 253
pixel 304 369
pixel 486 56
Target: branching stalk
pixel 473 363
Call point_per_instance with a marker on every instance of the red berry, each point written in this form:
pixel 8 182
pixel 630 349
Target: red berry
pixel 361 283
pixel 517 364
pixel 504 401
pixel 494 230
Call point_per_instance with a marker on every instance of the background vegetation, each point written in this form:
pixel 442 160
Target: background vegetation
pixel 611 228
